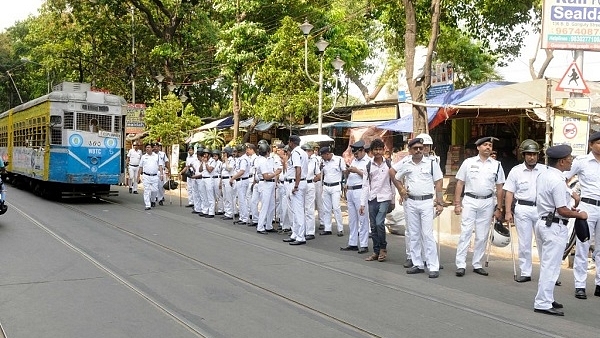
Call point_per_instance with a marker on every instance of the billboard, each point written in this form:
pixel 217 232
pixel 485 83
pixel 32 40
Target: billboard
pixel 571 24
pixel 134 120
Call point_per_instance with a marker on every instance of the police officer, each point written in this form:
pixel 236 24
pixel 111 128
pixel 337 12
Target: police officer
pixel 241 183
pixel 190 184
pixel 587 168
pixel 164 161
pixel 423 186
pixel 216 181
pixel 319 187
pixel 312 179
pixel 551 229
pixel 198 182
pixel 480 176
pixel 287 187
pixel 358 225
pixel 226 188
pixel 134 155
pixel 150 168
pixel 520 191
pixel 332 172
pixel 252 192
pixel 299 167
pixel 265 170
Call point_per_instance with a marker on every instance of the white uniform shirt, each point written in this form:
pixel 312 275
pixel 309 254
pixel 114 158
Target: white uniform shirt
pixel 480 177
pixel 521 181
pixel 313 168
pixel 333 170
pixel 379 186
pixel 210 163
pixel 150 163
pixel 264 165
pixel 587 168
pixel 217 170
pixel 299 159
pixel 244 164
pixel 552 192
pixel 228 168
pixel 354 178
pixel 420 177
pixel 134 156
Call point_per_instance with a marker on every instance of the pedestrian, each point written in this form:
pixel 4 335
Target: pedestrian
pixel 481 177
pixel 587 168
pixel 241 183
pixel 319 187
pixel 378 195
pixel 266 188
pixel 199 198
pixel 333 168
pixel 551 230
pixel 134 155
pixel 312 179
pixel 423 183
pixel 216 181
pixel 252 199
pixel 226 188
pixel 520 203
pixel 188 172
pixel 150 168
pixel 164 177
pixel 299 168
pixel 358 225
pixel 286 189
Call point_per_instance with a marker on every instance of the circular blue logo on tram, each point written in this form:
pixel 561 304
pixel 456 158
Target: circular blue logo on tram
pixel 110 142
pixel 76 140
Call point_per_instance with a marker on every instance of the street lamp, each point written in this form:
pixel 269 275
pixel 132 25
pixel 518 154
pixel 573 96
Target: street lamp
pixel 337 64
pixel 183 98
pixel 160 79
pixel 26 60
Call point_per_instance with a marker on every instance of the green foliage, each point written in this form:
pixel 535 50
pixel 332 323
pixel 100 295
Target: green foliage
pixel 213 139
pixel 164 120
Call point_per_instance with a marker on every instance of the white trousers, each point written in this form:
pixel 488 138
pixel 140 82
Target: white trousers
pixel 254 199
pixel 525 218
pixel 297 207
pixel 266 195
pixel 419 215
pixel 209 194
pixel 133 174
pixel 319 201
pixel 331 202
pixel 358 225
pixel 286 209
pixel 580 264
pixel 198 184
pixel 191 189
pixel 406 232
pixel 216 182
pixel 309 208
pixel 476 214
pixel 150 189
pixel 551 241
pixel 161 189
pixel 228 198
pixel 241 188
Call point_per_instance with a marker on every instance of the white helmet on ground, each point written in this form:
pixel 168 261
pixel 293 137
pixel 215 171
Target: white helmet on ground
pixel 500 235
pixel 426 138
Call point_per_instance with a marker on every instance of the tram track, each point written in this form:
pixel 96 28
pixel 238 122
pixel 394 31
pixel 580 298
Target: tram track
pixel 300 305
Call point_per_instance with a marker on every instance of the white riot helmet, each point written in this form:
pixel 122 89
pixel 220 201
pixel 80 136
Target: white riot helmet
pixel 427 140
pixel 500 235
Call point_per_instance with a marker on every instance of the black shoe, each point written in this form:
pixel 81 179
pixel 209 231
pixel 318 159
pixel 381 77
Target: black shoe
pixel 297 243
pixel 147 208
pixel 349 248
pixel 309 237
pixel 580 293
pixel 218 213
pixel 279 228
pixel 460 272
pixel 551 311
pixel 270 230
pixel 227 218
pixel 189 206
pixel 130 190
pixel 160 202
pixel 523 279
pixel 135 192
pixel 286 230
pixel 558 283
pixel 263 232
pixel 480 271
pixel 153 204
pixel 195 212
pixel 289 240
pixel 340 234
pixel 434 274
pixel 415 270
pixel 323 233
pixel 408 263
pixel 321 227
pixel 210 216
pixel 557 305
pixel 363 250
pixel 597 291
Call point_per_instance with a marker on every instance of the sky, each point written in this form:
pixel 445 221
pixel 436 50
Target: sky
pixel 517 71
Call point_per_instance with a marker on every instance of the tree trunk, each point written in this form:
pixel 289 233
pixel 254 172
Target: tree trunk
pixel 236 106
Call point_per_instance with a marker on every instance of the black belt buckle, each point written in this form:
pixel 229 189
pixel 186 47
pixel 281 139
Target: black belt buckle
pixel 309 181
pixel 528 203
pixel 331 184
pixel 421 198
pixel 478 197
pixel 355 187
pixel 590 201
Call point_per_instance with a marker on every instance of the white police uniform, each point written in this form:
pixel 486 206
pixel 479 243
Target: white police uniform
pixel 134 156
pixel 207 177
pixel 199 197
pixel 163 160
pixel 396 166
pixel 521 181
pixel 216 182
pixel 150 166
pixel 358 225
pixel 309 200
pixel 332 192
pixel 265 190
pixel 241 187
pixel 299 160
pixel 227 171
pixel 191 183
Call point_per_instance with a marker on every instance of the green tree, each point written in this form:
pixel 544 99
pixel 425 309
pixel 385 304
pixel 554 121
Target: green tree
pixel 165 121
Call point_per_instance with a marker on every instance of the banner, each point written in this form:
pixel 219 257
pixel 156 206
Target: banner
pixel 571 24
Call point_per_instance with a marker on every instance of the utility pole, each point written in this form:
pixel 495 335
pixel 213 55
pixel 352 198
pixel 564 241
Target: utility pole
pixel 132 56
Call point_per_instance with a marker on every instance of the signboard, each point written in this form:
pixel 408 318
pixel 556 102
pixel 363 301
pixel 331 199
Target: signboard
pixel 134 120
pixel 174 162
pixel 571 24
pixel 442 80
pixel 375 114
pixel 573 81
pixel 581 104
pixel 571 129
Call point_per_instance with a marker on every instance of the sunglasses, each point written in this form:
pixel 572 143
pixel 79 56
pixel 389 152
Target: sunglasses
pixel 416 148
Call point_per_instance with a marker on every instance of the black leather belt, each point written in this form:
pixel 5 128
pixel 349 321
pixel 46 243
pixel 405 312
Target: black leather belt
pixel 215 177
pixel 331 184
pixel 150 174
pixel 289 180
pixel 421 198
pixel 529 203
pixel 354 187
pixel 271 180
pixel 225 176
pixel 242 178
pixel 590 201
pixel 309 181
pixel 557 220
pixel 478 197
pixel 206 177
pixel 134 165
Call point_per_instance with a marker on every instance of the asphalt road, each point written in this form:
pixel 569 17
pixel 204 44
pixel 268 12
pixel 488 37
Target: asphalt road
pixel 111 269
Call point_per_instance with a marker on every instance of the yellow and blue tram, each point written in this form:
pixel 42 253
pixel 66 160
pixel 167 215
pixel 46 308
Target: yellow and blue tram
pixel 69 141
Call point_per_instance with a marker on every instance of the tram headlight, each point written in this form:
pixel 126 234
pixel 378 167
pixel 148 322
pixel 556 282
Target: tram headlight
pixel 94 160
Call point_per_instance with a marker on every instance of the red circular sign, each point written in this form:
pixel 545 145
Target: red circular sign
pixel 570 130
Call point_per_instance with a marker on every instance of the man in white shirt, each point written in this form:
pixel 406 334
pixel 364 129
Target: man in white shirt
pixel 241 183
pixel 358 238
pixel 332 172
pixel 150 168
pixel 190 184
pixel 164 161
pixel 299 166
pixel 265 170
pixel 312 179
pixel 134 155
pixel 228 193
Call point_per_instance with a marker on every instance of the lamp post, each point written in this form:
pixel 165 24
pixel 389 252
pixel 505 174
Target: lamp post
pixel 183 98
pixel 48 84
pixel 160 79
pixel 337 64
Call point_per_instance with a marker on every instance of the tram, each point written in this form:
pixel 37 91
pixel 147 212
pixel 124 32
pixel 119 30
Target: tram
pixel 68 143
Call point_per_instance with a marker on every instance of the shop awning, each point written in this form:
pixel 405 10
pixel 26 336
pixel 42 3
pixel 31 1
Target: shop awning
pixel 218 123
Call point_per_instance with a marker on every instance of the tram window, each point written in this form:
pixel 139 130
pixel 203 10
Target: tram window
pixel 69 116
pixel 55 120
pixel 56 137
